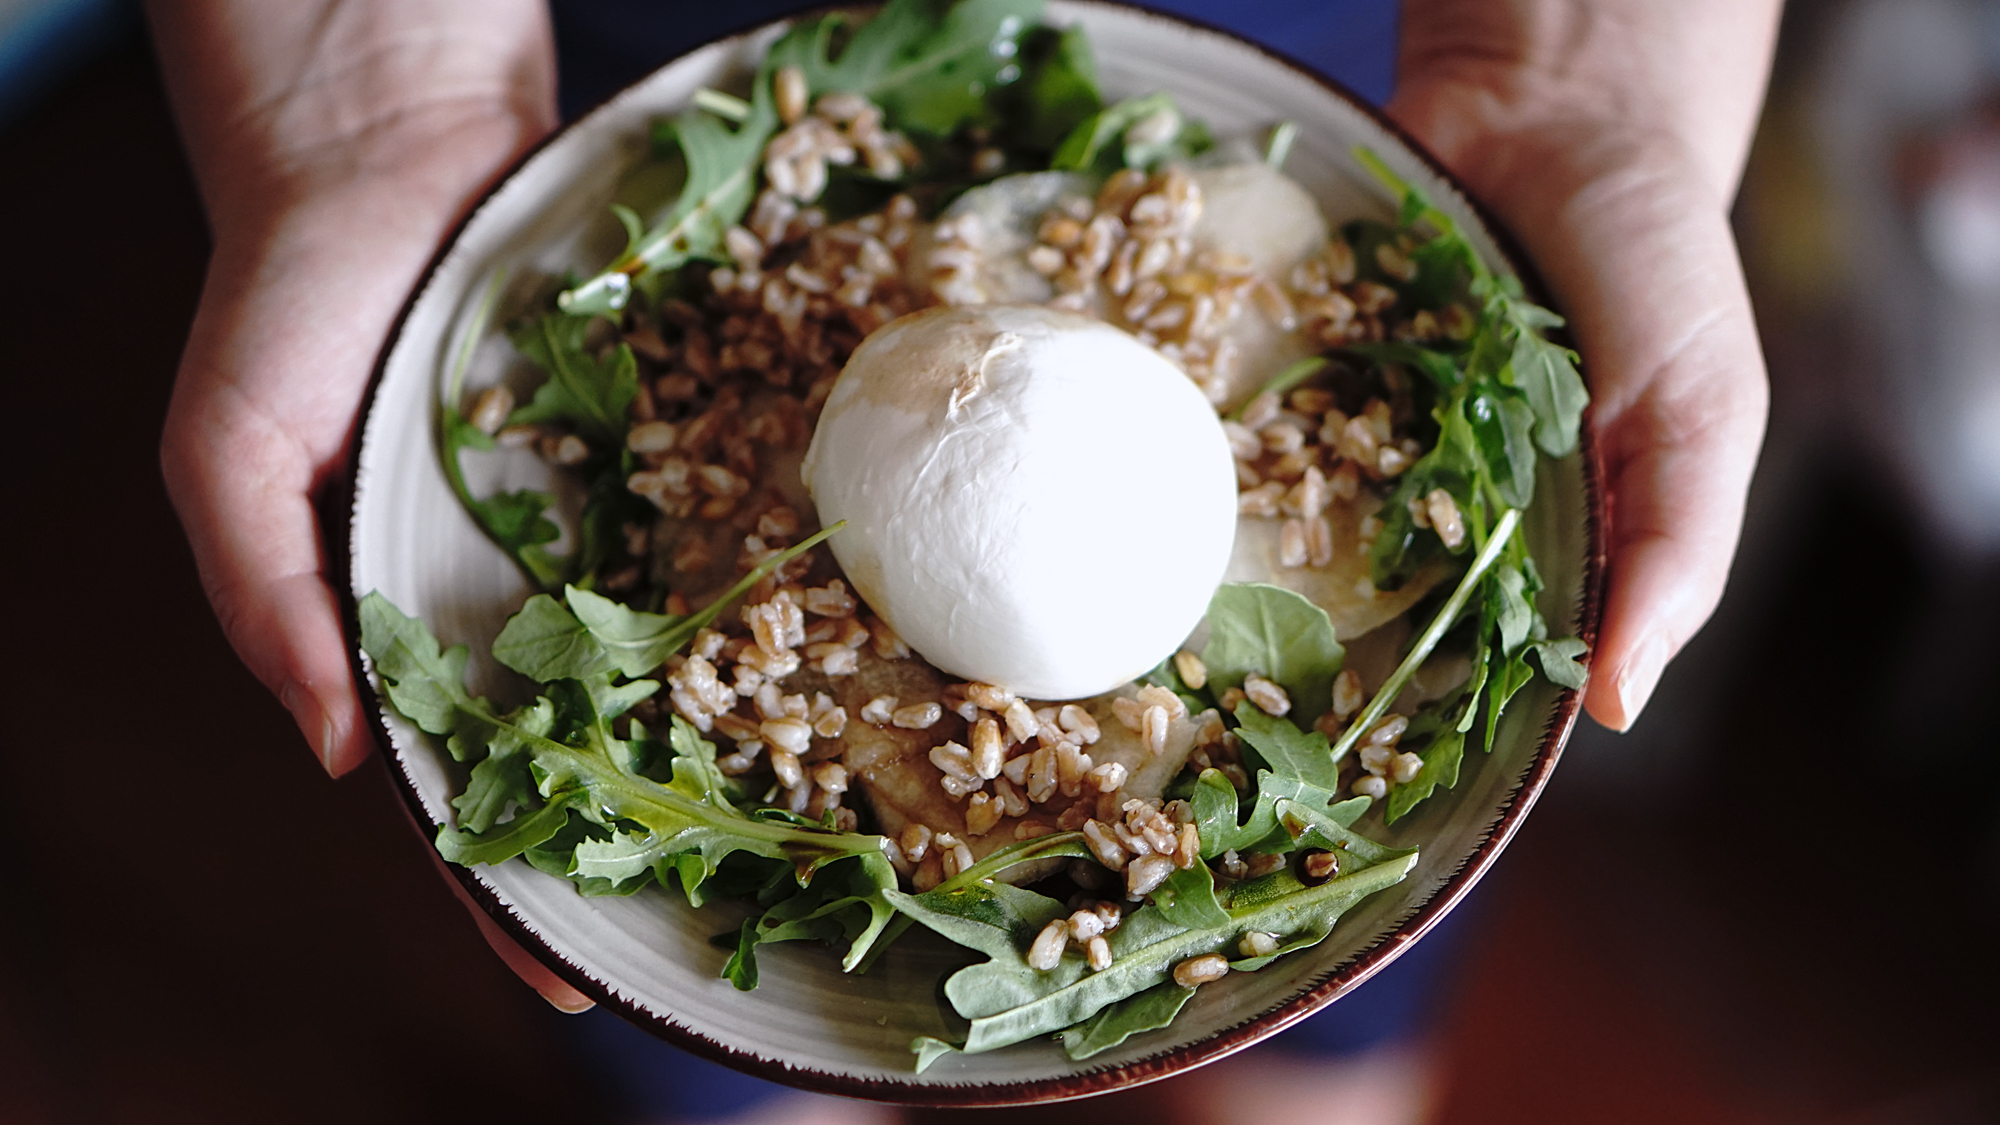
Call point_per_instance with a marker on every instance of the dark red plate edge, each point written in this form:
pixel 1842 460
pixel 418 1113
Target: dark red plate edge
pixel 337 514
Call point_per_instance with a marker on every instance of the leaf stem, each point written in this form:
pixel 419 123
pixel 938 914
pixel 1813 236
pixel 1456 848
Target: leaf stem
pixel 462 359
pixel 451 422
pixel 693 623
pixel 1057 845
pixel 1432 634
pixel 1279 147
pixel 1283 381
pixel 727 106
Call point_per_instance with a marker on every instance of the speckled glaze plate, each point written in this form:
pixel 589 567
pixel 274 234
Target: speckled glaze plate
pixel 648 956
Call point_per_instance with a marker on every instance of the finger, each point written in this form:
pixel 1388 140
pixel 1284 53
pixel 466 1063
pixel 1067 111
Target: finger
pixel 241 489
pixel 532 972
pixel 523 964
pixel 1677 469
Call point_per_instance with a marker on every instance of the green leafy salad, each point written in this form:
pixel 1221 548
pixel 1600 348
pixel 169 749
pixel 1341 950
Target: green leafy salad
pixel 715 705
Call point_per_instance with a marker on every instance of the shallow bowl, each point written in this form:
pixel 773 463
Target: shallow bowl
pixel 648 956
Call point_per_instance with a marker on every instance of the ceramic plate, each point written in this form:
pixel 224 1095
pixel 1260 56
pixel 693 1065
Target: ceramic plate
pixel 648 956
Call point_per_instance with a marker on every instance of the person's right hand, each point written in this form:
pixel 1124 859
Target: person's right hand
pixel 335 145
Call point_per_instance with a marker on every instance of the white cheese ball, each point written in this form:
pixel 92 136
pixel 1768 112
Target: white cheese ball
pixel 1033 499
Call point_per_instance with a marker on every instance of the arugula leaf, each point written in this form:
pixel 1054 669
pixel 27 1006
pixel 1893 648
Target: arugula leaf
pixel 557 856
pixel 741 968
pixel 1280 635
pixel 1560 662
pixel 1057 91
pixel 546 642
pixel 1289 751
pixel 594 396
pixel 1547 373
pixel 1007 1001
pixel 1312 825
pixel 1440 367
pixel 1504 425
pixel 1066 845
pixel 1454 464
pixel 1188 899
pixel 722 166
pixel 1150 1010
pixel 841 906
pixel 1441 760
pixel 518 522
pixel 595 635
pixel 1511 675
pixel 579 766
pixel 929 65
pixel 1089 146
pixel 501 777
pixel 1515 616
pixel 1215 809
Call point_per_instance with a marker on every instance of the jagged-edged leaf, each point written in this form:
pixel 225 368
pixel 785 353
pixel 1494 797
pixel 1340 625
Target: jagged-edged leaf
pixel 592 395
pixel 1287 750
pixel 577 762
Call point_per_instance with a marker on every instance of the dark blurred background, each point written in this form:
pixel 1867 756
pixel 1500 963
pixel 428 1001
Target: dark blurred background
pixel 1773 902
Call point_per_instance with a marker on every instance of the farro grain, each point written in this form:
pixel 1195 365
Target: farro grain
pixel 785 765
pixel 1104 845
pixel 1021 722
pixel 1268 696
pixel 1079 722
pixel 1405 767
pixel 981 814
pixel 1144 875
pixel 1292 551
pixel 989 753
pixel 954 760
pixel 1047 949
pixel 1257 943
pixel 917 716
pixel 1098 952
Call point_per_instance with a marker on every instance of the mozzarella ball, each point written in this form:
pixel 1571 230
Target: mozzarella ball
pixel 1033 499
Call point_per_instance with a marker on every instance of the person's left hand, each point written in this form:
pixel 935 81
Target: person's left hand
pixel 1609 135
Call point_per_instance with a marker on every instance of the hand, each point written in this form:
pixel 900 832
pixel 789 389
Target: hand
pixel 335 145
pixel 1608 135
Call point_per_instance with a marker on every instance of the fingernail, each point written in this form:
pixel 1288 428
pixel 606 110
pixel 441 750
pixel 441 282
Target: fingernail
pixel 1639 676
pixel 312 720
pixel 573 1005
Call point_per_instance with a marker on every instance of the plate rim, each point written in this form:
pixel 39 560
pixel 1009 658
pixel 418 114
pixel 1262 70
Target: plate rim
pixel 337 514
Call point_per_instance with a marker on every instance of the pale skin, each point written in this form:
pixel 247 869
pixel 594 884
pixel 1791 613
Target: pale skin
pixel 337 143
